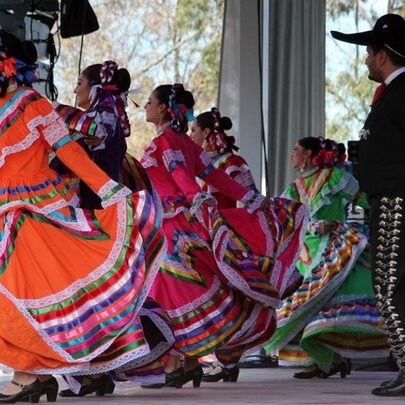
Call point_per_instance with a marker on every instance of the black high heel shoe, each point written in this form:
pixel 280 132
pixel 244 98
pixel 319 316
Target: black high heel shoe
pixel 31 392
pixel 173 379
pixel 195 375
pixel 100 386
pixel 314 372
pixel 226 374
pixel 344 368
pixel 50 389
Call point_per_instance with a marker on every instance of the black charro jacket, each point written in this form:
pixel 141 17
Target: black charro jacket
pixel 382 143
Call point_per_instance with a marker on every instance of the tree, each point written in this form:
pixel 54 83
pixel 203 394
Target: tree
pixel 348 90
pixel 162 41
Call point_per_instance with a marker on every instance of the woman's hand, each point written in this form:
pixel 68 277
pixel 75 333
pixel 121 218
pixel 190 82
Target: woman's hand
pixel 93 140
pixel 325 227
pixel 265 205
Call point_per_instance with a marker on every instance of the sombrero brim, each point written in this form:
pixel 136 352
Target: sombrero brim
pixel 359 38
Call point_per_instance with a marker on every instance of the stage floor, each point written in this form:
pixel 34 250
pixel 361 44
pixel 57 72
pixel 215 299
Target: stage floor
pixel 273 386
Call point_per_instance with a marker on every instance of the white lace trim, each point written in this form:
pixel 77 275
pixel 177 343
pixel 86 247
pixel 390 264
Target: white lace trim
pixel 6 231
pixel 157 351
pixel 54 127
pixel 245 199
pixel 106 187
pixel 142 354
pixel 44 120
pixel 88 368
pixel 252 200
pixel 34 324
pixel 173 156
pixel 247 337
pixel 264 225
pixel 94 275
pixel 46 211
pixel 18 147
pixel 11 108
pixel 207 319
pixel 177 211
pixel 147 159
pixel 220 244
pixel 199 201
pixel 312 307
pixel 117 197
pixel 301 219
pixel 198 302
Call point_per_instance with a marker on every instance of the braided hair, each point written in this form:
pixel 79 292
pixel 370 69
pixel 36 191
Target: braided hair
pixel 108 88
pixel 180 103
pixel 217 140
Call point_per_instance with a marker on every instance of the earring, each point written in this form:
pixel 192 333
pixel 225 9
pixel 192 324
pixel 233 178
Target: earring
pixel 303 166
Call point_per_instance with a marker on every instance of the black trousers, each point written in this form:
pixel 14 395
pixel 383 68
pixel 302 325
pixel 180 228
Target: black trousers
pixel 387 237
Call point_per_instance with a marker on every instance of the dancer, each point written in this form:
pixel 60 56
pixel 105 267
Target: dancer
pixel 208 131
pixel 333 314
pixel 101 126
pixel 73 281
pixel 224 271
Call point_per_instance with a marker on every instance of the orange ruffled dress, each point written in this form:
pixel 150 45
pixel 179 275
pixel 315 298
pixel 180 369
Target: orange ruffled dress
pixel 72 282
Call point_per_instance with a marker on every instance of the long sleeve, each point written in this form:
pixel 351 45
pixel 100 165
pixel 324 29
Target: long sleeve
pixel 223 182
pixel 56 137
pixel 175 163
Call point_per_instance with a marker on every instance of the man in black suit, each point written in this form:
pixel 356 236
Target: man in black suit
pixel 382 177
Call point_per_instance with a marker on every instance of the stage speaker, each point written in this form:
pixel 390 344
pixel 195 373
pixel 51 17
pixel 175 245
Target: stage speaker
pixel 77 18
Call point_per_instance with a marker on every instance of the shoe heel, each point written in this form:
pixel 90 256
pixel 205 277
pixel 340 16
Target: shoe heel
pixel 179 382
pixel 101 391
pixel 197 380
pixel 110 387
pixel 51 395
pixel 34 398
pixel 346 369
pixel 231 375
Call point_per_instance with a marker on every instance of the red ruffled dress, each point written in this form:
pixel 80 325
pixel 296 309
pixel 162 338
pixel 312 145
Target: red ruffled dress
pixel 225 271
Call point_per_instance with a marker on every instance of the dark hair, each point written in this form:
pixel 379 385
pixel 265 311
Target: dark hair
pixel 311 143
pixel 325 152
pixel 23 50
pixel 121 78
pixel 207 120
pixel 182 97
pixel 173 96
pixel 392 56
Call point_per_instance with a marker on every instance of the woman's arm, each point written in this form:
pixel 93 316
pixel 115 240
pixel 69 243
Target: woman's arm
pixel 55 135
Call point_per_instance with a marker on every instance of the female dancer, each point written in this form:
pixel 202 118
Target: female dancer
pixel 101 128
pixel 333 314
pixel 101 125
pixel 224 271
pixel 208 131
pixel 72 281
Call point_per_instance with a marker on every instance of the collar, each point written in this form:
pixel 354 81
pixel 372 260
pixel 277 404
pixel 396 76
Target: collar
pixel 310 172
pixel 393 75
pixel 162 128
